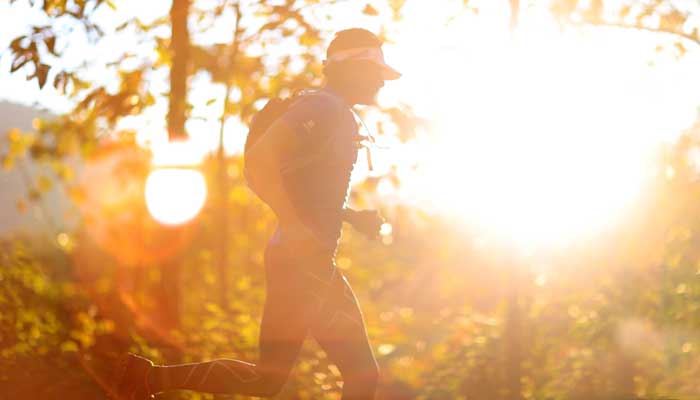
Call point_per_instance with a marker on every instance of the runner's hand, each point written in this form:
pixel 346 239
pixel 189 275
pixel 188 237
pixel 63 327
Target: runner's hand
pixel 367 222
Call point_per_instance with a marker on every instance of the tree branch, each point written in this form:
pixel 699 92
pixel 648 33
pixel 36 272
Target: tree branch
pixel 681 34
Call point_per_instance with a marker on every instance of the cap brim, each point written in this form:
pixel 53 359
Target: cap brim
pixel 389 74
pixel 373 55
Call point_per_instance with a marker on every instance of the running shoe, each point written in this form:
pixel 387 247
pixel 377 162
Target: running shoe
pixel 132 383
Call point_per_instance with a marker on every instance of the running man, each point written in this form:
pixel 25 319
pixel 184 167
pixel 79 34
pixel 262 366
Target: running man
pixel 302 165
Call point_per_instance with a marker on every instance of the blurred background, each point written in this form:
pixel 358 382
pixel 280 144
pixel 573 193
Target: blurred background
pixel 538 165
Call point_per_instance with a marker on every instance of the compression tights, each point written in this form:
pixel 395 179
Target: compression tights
pixel 306 294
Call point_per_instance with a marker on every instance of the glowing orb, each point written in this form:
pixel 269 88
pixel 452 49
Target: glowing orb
pixel 175 195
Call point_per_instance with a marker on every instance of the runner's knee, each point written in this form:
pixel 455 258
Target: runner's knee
pixel 272 384
pixel 271 389
pixel 366 373
pixel 361 383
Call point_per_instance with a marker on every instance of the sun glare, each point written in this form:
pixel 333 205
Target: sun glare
pixel 546 137
pixel 175 195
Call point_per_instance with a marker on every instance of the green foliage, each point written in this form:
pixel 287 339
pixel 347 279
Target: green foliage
pixel 449 316
pixel 45 320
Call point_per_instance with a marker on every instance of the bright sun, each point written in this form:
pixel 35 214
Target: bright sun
pixel 544 138
pixel 175 190
pixel 175 195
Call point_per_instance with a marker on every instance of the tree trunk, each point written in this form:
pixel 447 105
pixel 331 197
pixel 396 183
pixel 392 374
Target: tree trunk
pixel 514 15
pixel 179 46
pixel 222 173
pixel 169 290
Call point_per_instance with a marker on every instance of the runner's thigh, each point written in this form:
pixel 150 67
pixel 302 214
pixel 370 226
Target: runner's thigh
pixel 341 330
pixel 287 313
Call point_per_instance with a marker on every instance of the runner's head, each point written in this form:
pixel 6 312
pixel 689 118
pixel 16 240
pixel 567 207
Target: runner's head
pixel 355 65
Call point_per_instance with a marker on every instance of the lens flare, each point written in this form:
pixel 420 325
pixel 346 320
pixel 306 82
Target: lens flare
pixel 175 195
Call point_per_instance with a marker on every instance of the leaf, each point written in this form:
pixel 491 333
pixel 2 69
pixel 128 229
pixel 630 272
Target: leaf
pixel 19 62
pixel 16 44
pixel 21 205
pixel 42 71
pixel 51 44
pixel 60 81
pixel 680 48
pixel 7 163
pixel 625 11
pixel 122 26
pixel 308 39
pixel 63 171
pixel 149 100
pixel 648 11
pixel 44 183
pixel 210 102
pixel 33 194
pixel 369 10
pixel 272 25
pixel 14 135
pixel 69 346
pixel 78 84
pixel 77 194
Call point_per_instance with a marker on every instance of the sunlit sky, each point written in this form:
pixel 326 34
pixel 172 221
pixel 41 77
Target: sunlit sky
pixel 541 137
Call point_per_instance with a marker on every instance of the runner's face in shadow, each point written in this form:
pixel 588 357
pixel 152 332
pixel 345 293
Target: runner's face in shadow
pixel 362 80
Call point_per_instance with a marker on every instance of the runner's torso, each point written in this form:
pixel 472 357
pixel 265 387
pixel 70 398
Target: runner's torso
pixel 317 175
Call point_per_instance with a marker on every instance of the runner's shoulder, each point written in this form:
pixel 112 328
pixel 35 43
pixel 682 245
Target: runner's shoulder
pixel 321 103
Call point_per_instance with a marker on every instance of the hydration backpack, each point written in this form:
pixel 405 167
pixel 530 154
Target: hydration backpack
pixel 260 123
pixel 264 118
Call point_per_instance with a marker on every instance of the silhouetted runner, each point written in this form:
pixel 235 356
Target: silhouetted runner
pixel 301 166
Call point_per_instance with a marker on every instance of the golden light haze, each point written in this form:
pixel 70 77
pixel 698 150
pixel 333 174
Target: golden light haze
pixel 539 137
pixel 547 135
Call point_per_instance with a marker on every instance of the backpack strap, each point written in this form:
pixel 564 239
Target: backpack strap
pixel 304 161
pixel 372 141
